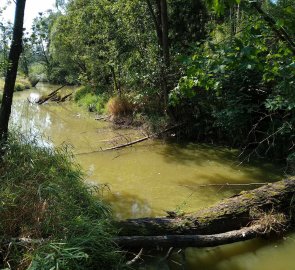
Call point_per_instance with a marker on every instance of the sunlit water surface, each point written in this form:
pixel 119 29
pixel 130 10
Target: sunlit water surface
pixel 152 177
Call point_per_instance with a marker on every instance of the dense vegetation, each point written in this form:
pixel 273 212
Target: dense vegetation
pixel 49 218
pixel 228 71
pixel 225 69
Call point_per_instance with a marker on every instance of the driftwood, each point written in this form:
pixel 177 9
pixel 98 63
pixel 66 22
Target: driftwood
pixel 49 96
pixel 142 139
pixel 63 99
pixel 117 147
pixel 238 218
pixel 126 144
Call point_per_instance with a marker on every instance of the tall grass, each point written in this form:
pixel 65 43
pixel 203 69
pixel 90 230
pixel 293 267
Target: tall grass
pixel 94 101
pixel 49 219
pixel 119 106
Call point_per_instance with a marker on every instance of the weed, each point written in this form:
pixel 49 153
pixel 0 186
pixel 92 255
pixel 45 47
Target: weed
pixel 119 106
pixel 49 218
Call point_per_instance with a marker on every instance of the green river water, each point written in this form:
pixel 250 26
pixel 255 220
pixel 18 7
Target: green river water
pixel 154 176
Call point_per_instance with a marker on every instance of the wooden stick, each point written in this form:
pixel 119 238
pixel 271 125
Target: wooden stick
pixel 226 184
pixel 136 258
pixel 130 143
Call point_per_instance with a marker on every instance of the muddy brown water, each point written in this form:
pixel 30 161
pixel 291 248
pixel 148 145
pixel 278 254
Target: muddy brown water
pixel 154 176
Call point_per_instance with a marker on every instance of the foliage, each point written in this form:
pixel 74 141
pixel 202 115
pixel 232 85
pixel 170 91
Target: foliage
pixel 44 200
pixel 93 100
pixel 243 87
pixel 19 87
pixel 113 45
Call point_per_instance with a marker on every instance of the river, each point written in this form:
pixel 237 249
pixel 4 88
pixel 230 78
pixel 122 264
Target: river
pixel 154 176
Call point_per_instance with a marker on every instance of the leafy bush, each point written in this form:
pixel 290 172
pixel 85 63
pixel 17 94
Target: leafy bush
pixel 33 80
pixel 243 92
pixel 38 70
pixel 19 87
pixel 85 96
pixel 82 91
pixel 49 218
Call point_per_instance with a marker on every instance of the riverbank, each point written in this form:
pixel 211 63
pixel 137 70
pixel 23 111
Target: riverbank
pixel 50 219
pixel 137 179
pixel 22 83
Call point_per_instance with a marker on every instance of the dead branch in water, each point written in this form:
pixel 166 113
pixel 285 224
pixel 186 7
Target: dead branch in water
pixel 49 96
pixel 224 185
pixel 63 99
pixel 132 142
pixel 142 139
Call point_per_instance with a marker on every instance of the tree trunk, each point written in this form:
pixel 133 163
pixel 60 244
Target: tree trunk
pixel 232 215
pixel 166 57
pixel 14 54
pixel 164 24
pixel 280 32
pixel 160 19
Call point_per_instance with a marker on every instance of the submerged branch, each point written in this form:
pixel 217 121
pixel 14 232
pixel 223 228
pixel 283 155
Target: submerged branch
pixel 182 241
pixel 49 96
pixel 117 147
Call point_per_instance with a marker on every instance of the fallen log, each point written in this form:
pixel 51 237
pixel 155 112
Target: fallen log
pixel 63 99
pixel 227 221
pixel 49 96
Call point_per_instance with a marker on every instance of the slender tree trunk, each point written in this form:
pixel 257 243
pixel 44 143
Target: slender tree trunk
pixel 157 24
pixel 160 19
pixel 280 32
pixel 166 57
pixel 164 20
pixel 116 85
pixel 13 58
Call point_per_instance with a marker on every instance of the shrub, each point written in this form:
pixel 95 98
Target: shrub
pixel 49 218
pixel 118 106
pixel 88 101
pixel 85 96
pixel 82 91
pixel 19 87
pixel 33 80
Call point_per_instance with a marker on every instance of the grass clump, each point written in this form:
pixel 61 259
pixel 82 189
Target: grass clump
pixel 86 97
pixel 119 106
pixel 19 87
pixel 49 219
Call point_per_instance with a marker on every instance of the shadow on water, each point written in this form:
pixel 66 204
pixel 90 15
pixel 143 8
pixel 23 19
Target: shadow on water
pixel 126 205
pixel 217 258
pixel 203 155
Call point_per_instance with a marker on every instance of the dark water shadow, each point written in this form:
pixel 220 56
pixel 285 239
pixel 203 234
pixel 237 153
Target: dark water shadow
pixel 127 205
pixel 210 259
pixel 205 258
pixel 200 154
